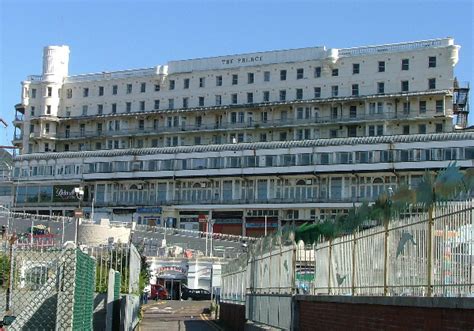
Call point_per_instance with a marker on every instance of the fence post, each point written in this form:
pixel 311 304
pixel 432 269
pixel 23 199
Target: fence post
pixel 329 266
pixel 385 258
pixel 430 251
pixel 354 243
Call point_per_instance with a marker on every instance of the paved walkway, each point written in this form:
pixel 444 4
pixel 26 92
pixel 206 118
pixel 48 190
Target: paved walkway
pixel 177 315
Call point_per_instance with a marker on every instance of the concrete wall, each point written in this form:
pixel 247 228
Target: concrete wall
pixel 382 313
pixel 94 234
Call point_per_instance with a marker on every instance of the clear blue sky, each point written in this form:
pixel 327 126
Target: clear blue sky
pixel 113 35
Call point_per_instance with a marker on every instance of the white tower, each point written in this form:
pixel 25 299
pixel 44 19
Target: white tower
pixel 55 63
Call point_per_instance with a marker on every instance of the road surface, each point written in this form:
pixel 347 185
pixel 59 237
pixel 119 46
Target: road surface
pixel 177 316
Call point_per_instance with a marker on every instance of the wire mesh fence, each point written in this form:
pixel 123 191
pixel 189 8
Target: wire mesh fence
pixel 46 288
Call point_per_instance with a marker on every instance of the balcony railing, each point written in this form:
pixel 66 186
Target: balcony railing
pixel 275 123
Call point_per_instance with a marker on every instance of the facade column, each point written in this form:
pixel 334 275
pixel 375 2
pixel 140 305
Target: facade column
pixel 244 223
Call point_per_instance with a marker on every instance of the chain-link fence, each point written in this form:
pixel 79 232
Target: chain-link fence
pixel 46 288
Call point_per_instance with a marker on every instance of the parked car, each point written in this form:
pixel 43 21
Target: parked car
pixel 195 294
pixel 158 292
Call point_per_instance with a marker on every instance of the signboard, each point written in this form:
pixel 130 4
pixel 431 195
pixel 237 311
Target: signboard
pixel 202 218
pixel 149 210
pixel 64 193
pixel 78 213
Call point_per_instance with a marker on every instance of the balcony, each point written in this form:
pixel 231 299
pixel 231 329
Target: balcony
pixel 270 124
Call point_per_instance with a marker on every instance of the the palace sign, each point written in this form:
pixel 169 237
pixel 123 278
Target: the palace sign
pixel 240 60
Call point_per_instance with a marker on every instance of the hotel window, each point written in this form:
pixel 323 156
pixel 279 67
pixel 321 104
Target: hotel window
pixel 98 146
pixel 371 130
pixel 432 62
pixel 380 87
pixel 282 74
pixel 82 130
pixel 99 128
pixel 431 83
pixel 422 128
pixel 157 87
pixel 439 106
pixel 334 90
pixel 46 147
pixel 156 123
pixel 355 89
pixel 335 72
pixel 84 110
pixel 202 81
pixel 422 106
pixel 171 86
pixel 299 73
pixel 381 66
pixel 32 110
pixel 303 113
pixel 299 93
pixel 129 88
pixel 142 105
pixel 264 117
pixel 201 101
pixel 143 87
pixel 233 98
pixel 266 76
pixel 266 96
pixel 235 79
pixel 282 95
pixel 157 104
pixel 233 117
pixel 186 83
pixel 353 112
pixel 48 110
pixel 283 136
pixel 355 68
pixel 406 129
pixel 170 103
pixel 128 107
pixel 33 93
pixel 406 107
pixel 46 128
pixel 333 133
pixel 439 127
pixel 250 78
pixel 68 93
pixel 50 91
pixel 85 92
pixel 101 91
pixel 263 137
pixel 317 72
pixel 404 85
pixel 218 80
pixel 352 131
pixel 198 121
pixel 379 130
pixel 185 102
pixel 218 100
pixel 249 97
pixel 317 92
pixel 141 125
pixel 333 113
pixel 197 141
pixel 114 89
pixel 405 64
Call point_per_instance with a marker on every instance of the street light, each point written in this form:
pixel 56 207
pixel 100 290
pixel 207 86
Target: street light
pixel 79 192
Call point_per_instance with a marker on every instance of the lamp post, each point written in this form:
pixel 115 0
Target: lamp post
pixel 212 234
pixel 79 192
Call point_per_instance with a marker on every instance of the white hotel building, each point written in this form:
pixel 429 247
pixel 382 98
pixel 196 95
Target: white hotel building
pixel 295 135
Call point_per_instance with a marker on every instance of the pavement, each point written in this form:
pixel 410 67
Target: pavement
pixel 176 315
